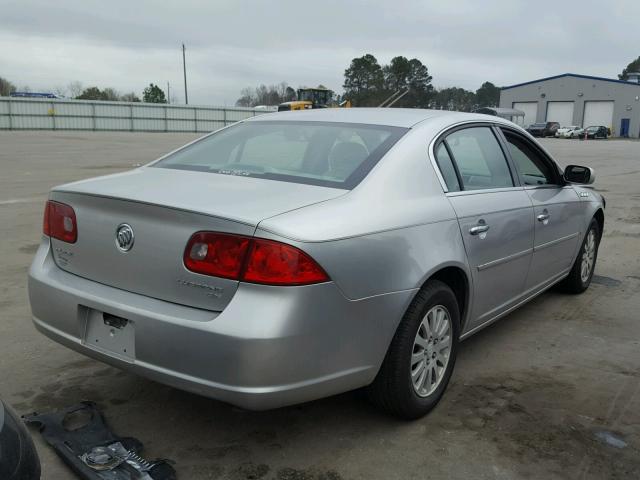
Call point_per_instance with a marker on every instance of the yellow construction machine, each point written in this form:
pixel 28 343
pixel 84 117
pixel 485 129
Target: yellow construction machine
pixel 309 98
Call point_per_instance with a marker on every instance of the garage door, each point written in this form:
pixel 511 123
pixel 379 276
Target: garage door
pixel 561 112
pixel 598 113
pixel 530 110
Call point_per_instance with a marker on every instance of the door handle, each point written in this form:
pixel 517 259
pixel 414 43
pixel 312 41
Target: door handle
pixel 478 229
pixel 543 217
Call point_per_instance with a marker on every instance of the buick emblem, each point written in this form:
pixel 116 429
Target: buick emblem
pixel 124 237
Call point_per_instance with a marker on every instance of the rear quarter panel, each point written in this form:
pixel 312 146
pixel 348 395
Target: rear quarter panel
pixel 389 234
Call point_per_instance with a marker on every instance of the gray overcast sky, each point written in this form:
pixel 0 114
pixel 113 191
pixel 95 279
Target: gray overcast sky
pixel 234 43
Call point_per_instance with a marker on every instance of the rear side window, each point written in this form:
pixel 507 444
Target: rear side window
pixel 479 158
pixel 317 153
pixel 447 169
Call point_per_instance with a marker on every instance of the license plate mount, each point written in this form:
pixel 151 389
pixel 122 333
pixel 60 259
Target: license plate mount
pixel 110 334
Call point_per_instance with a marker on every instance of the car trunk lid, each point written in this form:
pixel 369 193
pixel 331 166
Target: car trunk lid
pixel 164 208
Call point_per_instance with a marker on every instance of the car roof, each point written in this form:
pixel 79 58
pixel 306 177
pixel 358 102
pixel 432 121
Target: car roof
pixel 393 117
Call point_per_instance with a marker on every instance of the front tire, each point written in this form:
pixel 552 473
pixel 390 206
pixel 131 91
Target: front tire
pixel 581 273
pixel 422 354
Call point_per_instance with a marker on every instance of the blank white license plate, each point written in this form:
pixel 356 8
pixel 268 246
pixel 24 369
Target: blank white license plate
pixel 110 334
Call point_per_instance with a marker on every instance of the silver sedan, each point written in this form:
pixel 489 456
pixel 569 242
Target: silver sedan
pixel 298 255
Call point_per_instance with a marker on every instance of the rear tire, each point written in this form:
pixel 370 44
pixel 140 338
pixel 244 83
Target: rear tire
pixel 422 354
pixel 581 273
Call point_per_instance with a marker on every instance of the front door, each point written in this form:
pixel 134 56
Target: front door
pixel 495 216
pixel 624 127
pixel 557 211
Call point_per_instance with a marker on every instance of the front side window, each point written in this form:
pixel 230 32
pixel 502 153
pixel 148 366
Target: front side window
pixel 532 168
pixel 479 158
pixel 317 153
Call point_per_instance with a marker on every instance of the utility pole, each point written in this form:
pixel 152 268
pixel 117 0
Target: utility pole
pixel 184 71
pixel 168 93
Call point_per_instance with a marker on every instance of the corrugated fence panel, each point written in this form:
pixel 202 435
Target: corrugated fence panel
pixel 76 109
pixel 181 125
pixel 204 126
pixel 148 112
pixel 181 113
pixel 74 123
pixel 112 110
pixel 148 124
pixel 30 108
pixel 32 122
pixel 202 114
pixel 62 114
pixel 235 115
pixel 112 123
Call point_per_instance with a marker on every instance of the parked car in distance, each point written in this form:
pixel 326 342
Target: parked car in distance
pixel 18 456
pixel 569 132
pixel 547 129
pixel 298 255
pixel 597 131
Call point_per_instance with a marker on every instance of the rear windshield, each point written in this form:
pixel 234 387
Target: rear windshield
pixel 318 153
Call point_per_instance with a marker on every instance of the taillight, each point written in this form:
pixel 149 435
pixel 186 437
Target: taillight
pixel 253 260
pixel 60 222
pixel 276 263
pixel 216 254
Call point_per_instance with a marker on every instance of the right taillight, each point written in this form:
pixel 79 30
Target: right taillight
pixel 60 222
pixel 248 259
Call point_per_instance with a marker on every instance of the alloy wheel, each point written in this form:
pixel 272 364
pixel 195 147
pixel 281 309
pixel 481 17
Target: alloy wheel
pixel 431 351
pixel 588 256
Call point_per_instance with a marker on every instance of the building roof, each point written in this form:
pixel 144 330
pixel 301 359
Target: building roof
pixel 588 77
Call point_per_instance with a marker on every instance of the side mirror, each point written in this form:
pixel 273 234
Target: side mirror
pixel 579 174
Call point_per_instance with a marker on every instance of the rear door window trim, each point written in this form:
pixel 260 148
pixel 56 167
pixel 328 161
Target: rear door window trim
pixel 515 177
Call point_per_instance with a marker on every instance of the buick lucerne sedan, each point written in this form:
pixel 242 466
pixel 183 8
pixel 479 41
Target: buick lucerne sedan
pixel 298 255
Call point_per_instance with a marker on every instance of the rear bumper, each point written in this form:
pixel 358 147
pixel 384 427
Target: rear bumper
pixel 270 347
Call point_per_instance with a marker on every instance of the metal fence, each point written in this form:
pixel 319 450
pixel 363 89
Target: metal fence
pixel 61 114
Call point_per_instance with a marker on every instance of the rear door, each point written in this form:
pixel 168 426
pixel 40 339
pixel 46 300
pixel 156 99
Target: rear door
pixel 495 216
pixel 557 210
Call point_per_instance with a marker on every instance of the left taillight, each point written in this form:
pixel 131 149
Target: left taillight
pixel 250 259
pixel 60 222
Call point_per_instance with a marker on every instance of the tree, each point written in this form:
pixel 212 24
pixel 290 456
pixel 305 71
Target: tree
pixel 488 95
pixel 60 91
pixel 6 87
pixel 403 74
pixel 75 89
pixel 91 93
pixel 364 81
pixel 369 84
pixel 266 95
pixel 290 94
pixel 129 97
pixel 246 99
pixel 632 67
pixel 396 74
pixel 110 94
pixel 455 98
pixel 153 94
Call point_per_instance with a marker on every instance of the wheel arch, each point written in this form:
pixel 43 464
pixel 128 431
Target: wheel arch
pixel 599 216
pixel 456 277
